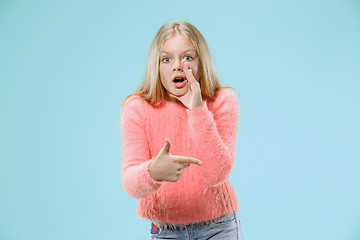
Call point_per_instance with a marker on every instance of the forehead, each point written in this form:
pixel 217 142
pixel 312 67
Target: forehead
pixel 176 43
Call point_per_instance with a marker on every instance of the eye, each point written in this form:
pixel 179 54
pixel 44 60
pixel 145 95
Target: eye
pixel 188 58
pixel 165 59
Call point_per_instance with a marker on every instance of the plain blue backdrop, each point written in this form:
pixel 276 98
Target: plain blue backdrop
pixel 66 66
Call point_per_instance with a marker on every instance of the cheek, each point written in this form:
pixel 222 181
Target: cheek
pixel 163 69
pixel 162 73
pixel 165 75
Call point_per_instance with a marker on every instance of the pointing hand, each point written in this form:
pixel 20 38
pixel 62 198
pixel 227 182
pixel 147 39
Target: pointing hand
pixel 167 167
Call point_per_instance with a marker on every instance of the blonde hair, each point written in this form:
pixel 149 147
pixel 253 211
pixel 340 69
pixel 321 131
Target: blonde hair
pixel 151 88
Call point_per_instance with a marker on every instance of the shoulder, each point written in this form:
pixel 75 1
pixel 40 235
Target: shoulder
pixel 134 109
pixel 135 103
pixel 226 94
pixel 224 105
pixel 224 97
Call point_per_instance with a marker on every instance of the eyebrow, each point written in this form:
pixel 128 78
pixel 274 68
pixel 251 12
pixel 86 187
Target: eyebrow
pixel 188 50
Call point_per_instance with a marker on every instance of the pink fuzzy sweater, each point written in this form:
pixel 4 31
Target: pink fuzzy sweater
pixel 208 134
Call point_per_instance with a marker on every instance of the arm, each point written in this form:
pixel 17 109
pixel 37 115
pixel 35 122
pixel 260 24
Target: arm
pixel 214 136
pixel 135 176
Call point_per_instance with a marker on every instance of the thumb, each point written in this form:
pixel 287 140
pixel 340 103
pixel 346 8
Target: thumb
pixel 176 97
pixel 166 147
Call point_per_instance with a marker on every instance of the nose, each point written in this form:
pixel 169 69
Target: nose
pixel 177 65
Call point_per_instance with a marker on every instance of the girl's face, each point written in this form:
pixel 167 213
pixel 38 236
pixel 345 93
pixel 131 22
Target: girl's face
pixel 175 51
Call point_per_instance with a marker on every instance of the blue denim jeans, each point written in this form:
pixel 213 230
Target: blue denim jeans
pixel 226 227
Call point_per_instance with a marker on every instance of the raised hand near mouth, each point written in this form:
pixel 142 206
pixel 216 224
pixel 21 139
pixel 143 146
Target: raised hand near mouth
pixel 192 99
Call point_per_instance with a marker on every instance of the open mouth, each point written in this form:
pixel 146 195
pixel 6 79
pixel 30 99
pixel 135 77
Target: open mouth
pixel 177 80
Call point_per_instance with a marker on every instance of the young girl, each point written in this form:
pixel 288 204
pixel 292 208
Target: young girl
pixel 178 136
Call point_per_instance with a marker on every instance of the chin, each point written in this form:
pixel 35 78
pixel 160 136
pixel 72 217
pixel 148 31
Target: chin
pixel 179 92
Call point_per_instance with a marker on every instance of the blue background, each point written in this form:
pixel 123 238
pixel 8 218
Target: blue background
pixel 66 67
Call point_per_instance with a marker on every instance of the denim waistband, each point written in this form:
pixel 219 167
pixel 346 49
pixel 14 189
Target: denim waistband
pixel 225 217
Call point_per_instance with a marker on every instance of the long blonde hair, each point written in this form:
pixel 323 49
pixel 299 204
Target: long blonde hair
pixel 151 88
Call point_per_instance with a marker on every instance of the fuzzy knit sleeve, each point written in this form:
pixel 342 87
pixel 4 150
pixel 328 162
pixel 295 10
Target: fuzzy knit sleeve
pixel 214 136
pixel 135 176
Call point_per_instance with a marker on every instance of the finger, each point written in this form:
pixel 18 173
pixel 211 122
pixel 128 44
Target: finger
pixel 188 73
pixel 166 147
pixel 188 160
pixel 186 165
pixel 179 171
pixel 176 97
pixel 182 166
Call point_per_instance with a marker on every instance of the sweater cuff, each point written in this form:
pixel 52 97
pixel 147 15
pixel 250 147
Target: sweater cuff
pixel 146 175
pixel 198 111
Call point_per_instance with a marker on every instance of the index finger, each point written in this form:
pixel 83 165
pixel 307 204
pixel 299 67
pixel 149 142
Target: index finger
pixel 188 73
pixel 189 160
